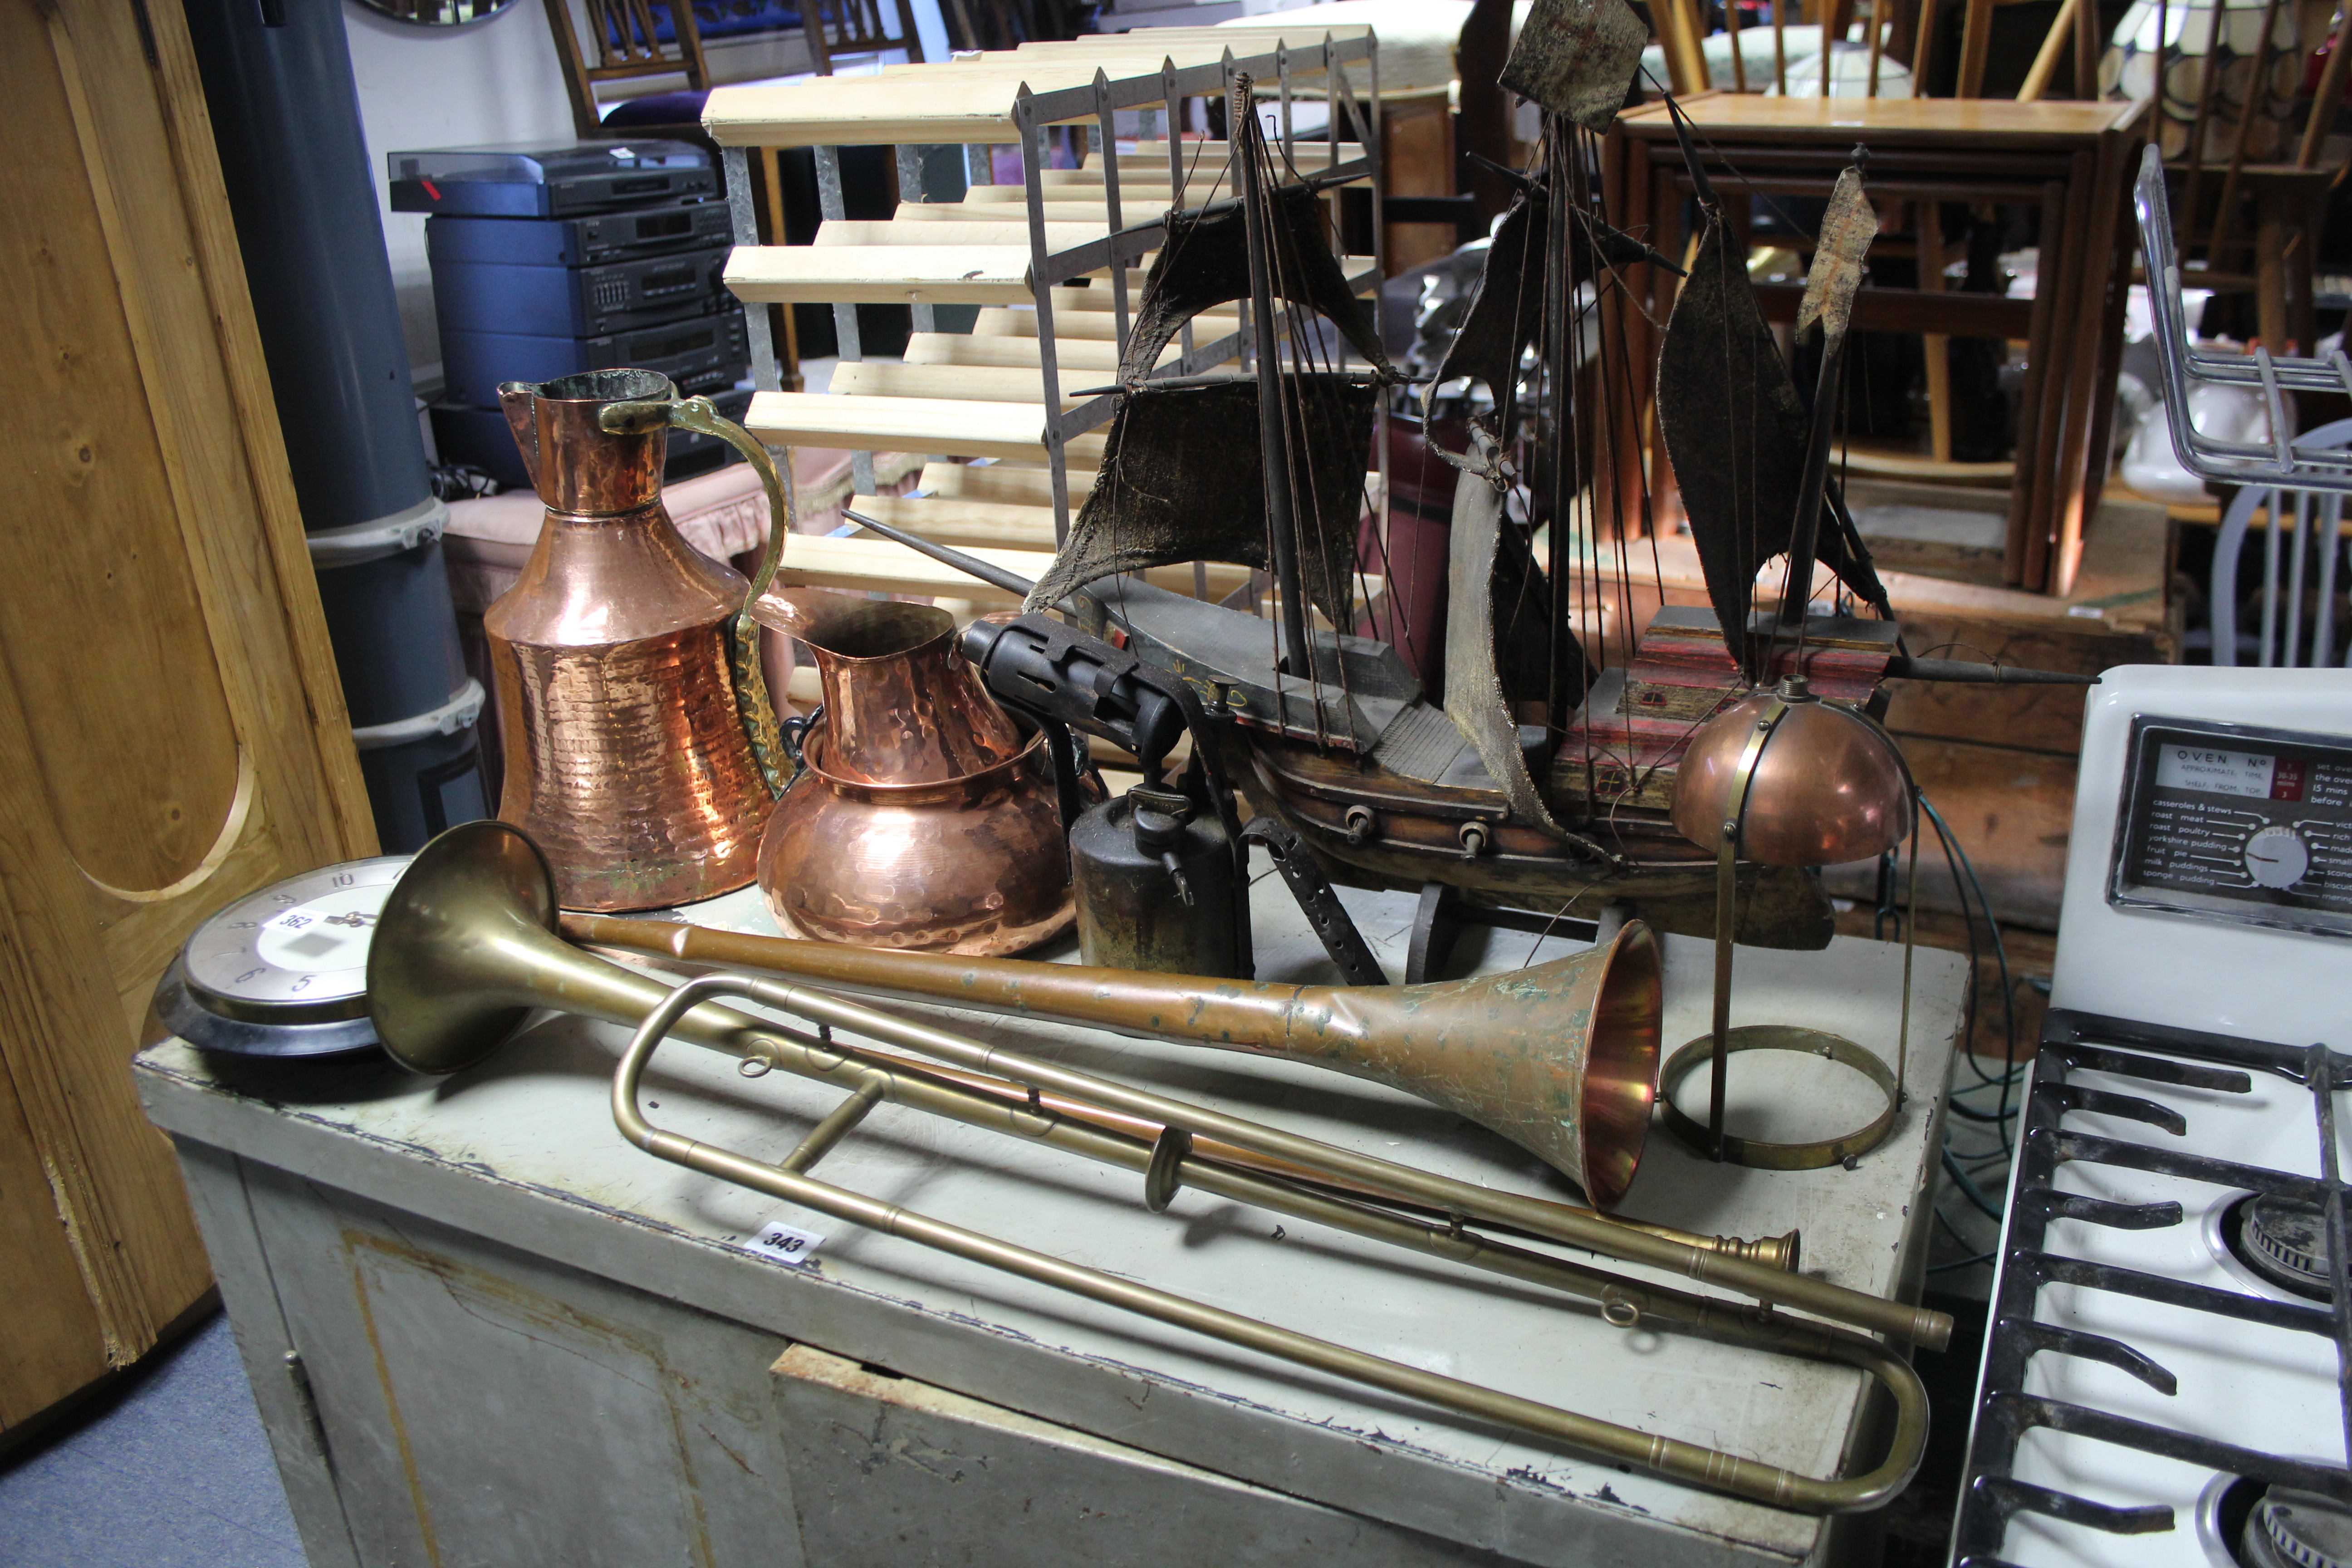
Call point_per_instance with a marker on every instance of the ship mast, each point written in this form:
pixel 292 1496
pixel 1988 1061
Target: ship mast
pixel 1273 426
pixel 1562 696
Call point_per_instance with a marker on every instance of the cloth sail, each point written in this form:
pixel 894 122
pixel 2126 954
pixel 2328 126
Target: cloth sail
pixel 1183 469
pixel 1205 262
pixel 1183 479
pixel 1735 431
pixel 1475 696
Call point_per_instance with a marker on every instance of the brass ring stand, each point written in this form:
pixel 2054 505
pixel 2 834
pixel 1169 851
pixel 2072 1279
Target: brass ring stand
pixel 1755 1152
pixel 1716 1046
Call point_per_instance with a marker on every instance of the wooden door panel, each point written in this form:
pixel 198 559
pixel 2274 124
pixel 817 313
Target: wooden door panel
pixel 53 1338
pixel 172 730
pixel 89 471
pixel 173 245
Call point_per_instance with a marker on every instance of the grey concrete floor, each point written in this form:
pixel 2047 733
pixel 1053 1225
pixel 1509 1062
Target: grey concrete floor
pixel 169 1470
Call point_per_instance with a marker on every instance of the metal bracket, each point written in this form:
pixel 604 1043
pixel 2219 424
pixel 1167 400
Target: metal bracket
pixel 378 537
pixel 1436 925
pixel 1754 1154
pixel 1322 908
pixel 462 709
pixel 1165 1177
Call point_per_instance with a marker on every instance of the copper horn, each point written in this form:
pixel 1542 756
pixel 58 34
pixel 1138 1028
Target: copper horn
pixel 467 948
pixel 1562 1059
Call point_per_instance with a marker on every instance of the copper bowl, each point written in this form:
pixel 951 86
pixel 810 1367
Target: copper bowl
pixel 974 865
pixel 1829 785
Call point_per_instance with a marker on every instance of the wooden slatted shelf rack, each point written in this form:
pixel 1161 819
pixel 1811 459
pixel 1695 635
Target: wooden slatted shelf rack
pixel 1056 264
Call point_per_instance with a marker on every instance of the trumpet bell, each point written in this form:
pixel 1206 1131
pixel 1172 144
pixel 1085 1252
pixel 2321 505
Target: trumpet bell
pixel 1561 1058
pixel 465 928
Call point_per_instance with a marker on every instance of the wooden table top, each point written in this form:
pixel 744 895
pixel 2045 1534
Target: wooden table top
pixel 1980 124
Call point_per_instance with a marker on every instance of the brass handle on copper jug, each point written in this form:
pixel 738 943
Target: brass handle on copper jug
pixel 751 682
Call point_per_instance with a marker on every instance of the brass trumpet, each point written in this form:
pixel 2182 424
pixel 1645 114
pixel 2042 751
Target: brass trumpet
pixel 1560 1058
pixel 1782 1252
pixel 467 946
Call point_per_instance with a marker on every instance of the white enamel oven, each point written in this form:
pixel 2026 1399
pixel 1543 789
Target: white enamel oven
pixel 2165 1379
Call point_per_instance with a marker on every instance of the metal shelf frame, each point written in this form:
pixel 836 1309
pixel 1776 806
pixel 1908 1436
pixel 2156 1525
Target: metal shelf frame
pixel 1096 104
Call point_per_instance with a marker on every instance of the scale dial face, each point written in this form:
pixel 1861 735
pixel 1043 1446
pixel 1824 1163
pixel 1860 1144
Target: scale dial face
pixel 283 971
pixel 295 953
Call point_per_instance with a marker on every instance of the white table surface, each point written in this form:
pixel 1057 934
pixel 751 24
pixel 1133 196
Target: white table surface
pixel 523 1148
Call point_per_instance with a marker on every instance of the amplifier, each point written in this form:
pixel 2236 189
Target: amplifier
pixel 577 241
pixel 481 439
pixel 579 301
pixel 701 354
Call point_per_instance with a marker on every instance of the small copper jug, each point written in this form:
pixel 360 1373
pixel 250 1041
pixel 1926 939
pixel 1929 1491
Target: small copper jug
pixel 923 816
pixel 623 715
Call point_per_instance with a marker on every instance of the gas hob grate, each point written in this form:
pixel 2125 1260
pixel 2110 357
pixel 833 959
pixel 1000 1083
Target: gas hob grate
pixel 2074 1042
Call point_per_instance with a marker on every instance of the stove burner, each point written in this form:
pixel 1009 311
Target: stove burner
pixel 2284 1241
pixel 2298 1529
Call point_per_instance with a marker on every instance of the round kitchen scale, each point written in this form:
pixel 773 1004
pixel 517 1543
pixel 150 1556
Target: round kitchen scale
pixel 283 971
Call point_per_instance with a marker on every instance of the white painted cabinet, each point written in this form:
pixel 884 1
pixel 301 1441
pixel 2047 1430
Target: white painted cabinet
pixel 520 1341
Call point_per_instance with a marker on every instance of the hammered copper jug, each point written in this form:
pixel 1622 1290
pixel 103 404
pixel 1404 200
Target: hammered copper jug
pixel 624 717
pixel 923 817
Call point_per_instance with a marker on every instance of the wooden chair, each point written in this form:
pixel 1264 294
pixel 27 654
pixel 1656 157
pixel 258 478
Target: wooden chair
pixel 857 29
pixel 1007 23
pixel 629 47
pixel 2275 260
pixel 1680 33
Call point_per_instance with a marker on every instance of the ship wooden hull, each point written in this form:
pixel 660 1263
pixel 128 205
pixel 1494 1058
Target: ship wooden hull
pixel 1414 836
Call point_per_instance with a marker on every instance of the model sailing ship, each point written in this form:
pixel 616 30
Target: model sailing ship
pixel 1544 777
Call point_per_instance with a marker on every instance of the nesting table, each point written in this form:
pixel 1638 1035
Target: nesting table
pixel 2072 160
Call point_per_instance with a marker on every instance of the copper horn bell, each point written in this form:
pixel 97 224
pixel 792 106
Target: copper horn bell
pixel 638 752
pixel 924 817
pixel 1562 1059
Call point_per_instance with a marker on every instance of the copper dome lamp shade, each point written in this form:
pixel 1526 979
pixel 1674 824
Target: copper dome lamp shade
pixel 1786 779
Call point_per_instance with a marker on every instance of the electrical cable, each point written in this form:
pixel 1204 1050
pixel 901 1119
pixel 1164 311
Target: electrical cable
pixel 1969 888
pixel 1992 928
pixel 1968 1189
pixel 1969 1262
pixel 2000 953
pixel 1963 1263
pixel 1957 863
